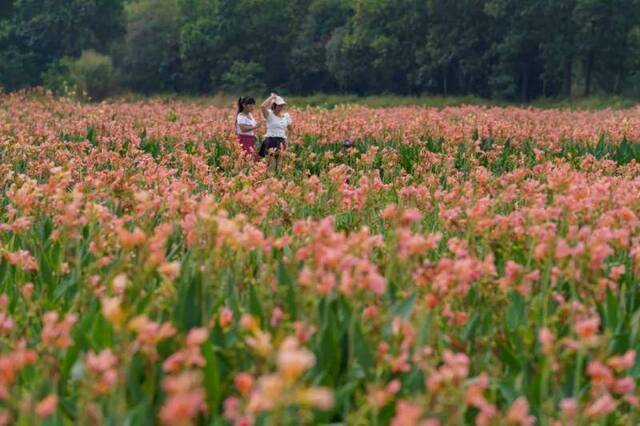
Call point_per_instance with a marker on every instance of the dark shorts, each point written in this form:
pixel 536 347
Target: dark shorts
pixel 273 145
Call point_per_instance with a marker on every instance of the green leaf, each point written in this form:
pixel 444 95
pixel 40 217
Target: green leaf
pixel 515 312
pixel 508 357
pixel 255 307
pixel 285 280
pixel 404 308
pixel 212 377
pixel 362 349
pixel 611 315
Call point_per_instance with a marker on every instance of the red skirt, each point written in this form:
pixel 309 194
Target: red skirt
pixel 248 145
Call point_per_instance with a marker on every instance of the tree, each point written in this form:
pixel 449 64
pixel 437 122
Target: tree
pixel 309 71
pixel 604 34
pixel 150 56
pixel 453 57
pixel 378 48
pixel 36 33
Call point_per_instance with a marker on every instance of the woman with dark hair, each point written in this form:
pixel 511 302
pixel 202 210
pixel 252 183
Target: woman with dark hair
pixel 246 126
pixel 278 124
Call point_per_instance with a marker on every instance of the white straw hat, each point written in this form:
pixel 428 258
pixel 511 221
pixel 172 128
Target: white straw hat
pixel 279 101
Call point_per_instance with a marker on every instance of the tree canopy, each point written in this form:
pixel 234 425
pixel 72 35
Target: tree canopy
pixel 510 49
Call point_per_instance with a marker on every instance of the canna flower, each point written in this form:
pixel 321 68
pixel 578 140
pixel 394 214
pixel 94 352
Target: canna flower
pixel 190 356
pixel 226 316
pixel 23 260
pixel 267 394
pixel 546 339
pixel 149 334
pixel 260 342
pixel 407 414
pixel 186 399
pixel 120 283
pixel 601 407
pixel 600 374
pixel 27 290
pixel 56 333
pixel 587 329
pixel 47 406
pixel 292 360
pixel 112 312
pixel 519 413
pixel 103 368
pixel 169 270
pixel 243 382
pixel 316 397
pixel 276 316
pixel 569 408
pixel 624 386
pixel 624 362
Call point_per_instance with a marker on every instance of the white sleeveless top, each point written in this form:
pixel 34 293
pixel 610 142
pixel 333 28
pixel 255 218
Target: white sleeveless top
pixel 277 126
pixel 245 120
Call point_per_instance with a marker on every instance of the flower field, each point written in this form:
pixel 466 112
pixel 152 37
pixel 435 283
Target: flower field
pixel 465 265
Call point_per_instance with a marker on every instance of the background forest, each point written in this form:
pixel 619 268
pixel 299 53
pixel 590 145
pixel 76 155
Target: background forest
pixel 502 49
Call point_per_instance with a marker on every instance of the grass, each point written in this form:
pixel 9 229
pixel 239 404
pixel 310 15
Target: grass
pixel 329 101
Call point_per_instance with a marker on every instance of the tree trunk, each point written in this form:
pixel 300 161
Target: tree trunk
pixel 524 92
pixel 568 77
pixel 445 80
pixel 617 83
pixel 588 71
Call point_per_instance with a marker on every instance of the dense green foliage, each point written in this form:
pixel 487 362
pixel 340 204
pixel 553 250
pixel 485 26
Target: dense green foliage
pixel 507 49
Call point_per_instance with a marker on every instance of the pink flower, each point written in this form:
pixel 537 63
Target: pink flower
pixel 231 408
pixel 292 360
pixel 407 414
pixel 226 316
pixel 569 408
pixel 103 368
pixel 56 332
pixel 601 407
pixel 519 413
pixel 197 336
pixel 243 382
pixel 186 399
pixel 317 397
pixel 587 329
pixel 276 316
pixel 47 406
pixel 624 362
pixel 546 339
pixel 624 386
pixel 599 373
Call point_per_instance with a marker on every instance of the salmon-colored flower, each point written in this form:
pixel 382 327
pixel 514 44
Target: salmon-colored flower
pixel 244 382
pixel 407 414
pixel 519 413
pixel 293 360
pixel 226 316
pixel 47 406
pixel 624 362
pixel 316 397
pixel 601 407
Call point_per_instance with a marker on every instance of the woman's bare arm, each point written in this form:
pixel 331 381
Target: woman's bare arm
pixel 266 104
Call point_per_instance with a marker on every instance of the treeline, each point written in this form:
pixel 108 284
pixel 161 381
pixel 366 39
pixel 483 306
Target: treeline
pixel 508 49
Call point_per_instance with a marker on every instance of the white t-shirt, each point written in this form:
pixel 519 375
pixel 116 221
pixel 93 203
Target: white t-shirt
pixel 277 126
pixel 245 120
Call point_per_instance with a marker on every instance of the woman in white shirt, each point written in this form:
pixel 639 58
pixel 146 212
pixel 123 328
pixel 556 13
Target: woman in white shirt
pixel 278 125
pixel 246 126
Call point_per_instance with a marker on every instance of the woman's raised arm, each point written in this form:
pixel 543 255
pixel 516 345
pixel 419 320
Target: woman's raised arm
pixel 266 104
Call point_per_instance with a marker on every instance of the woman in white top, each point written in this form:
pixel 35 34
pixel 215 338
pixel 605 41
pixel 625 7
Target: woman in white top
pixel 278 125
pixel 246 126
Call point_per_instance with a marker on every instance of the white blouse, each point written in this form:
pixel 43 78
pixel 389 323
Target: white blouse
pixel 277 126
pixel 245 120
